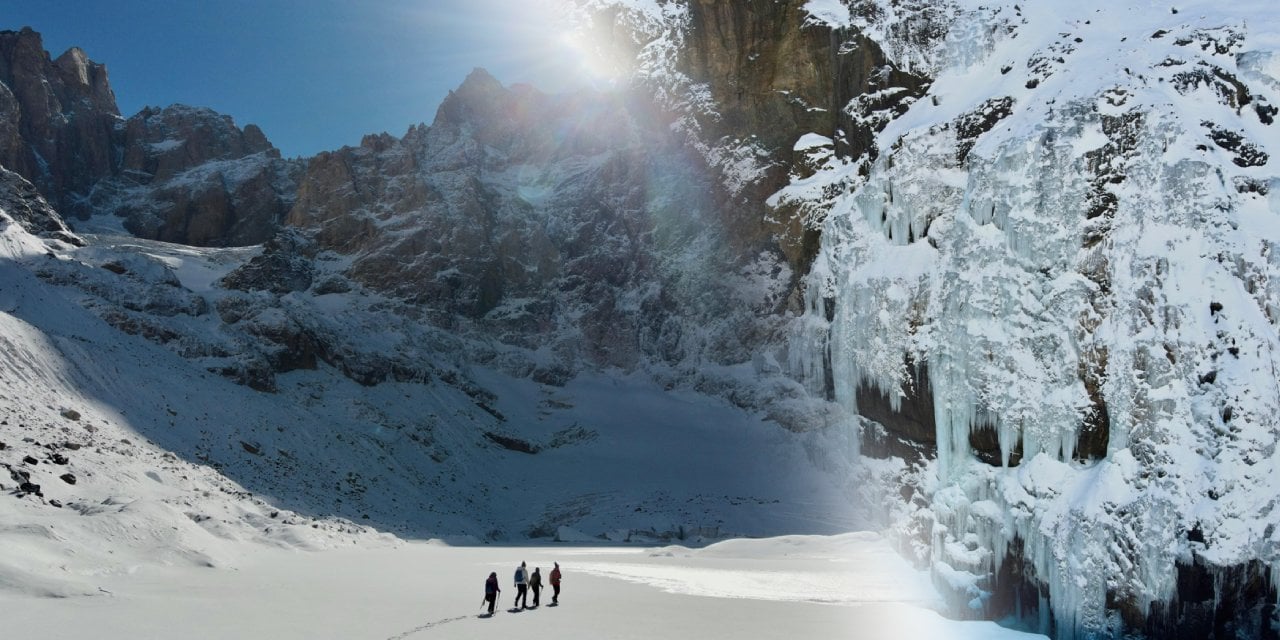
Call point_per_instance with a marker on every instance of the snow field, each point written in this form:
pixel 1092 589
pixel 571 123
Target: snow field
pixel 851 586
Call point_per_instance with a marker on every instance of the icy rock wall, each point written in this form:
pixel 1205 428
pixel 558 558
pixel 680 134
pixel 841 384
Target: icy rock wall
pixel 1074 234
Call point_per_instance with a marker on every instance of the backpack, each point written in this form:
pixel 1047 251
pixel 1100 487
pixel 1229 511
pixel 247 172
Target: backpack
pixel 519 575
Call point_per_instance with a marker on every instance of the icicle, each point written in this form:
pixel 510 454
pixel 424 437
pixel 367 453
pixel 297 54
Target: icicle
pixel 1275 581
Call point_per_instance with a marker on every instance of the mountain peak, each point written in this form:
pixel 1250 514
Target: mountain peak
pixel 480 79
pixel 479 93
pixel 25 34
pixel 54 102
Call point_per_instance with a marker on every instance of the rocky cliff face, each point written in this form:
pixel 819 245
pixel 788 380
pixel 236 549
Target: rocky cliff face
pixel 191 176
pixel 774 71
pixel 179 174
pixel 744 83
pixel 58 118
pixel 573 223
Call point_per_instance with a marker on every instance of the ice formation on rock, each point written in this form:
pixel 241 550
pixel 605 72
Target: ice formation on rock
pixel 1074 234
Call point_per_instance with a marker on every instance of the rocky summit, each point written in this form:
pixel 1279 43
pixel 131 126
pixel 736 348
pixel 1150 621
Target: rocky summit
pixel 59 118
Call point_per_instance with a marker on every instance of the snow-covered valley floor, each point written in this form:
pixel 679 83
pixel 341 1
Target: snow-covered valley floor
pixel 848 586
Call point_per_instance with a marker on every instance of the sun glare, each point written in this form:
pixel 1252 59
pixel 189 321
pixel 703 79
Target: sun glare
pixel 596 61
pixel 548 46
pixel 535 41
pixel 569 52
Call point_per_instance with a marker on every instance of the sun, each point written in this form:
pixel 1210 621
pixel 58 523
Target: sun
pixel 554 45
pixel 595 56
pixel 563 47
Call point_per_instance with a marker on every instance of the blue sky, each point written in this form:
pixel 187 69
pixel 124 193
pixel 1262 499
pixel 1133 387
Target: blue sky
pixel 314 74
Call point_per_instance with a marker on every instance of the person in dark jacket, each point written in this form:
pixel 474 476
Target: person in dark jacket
pixel 522 586
pixel 555 585
pixel 535 585
pixel 491 590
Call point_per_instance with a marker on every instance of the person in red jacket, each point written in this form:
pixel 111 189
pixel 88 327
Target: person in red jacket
pixel 555 584
pixel 491 590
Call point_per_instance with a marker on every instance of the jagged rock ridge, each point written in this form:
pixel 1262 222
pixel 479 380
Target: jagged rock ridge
pixel 58 118
pixel 189 175
pixel 178 174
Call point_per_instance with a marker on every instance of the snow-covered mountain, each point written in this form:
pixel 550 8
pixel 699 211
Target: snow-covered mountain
pixel 1002 271
pixel 573 227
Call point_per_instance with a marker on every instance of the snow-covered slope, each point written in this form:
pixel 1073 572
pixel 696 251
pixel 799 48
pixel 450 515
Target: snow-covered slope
pixel 88 488
pixel 168 455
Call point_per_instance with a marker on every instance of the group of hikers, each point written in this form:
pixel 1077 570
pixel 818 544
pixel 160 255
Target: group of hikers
pixel 525 582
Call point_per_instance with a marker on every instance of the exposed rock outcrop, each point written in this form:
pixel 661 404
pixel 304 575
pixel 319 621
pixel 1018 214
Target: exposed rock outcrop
pixel 20 199
pixel 283 266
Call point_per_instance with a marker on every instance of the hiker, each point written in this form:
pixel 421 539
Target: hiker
pixel 555 585
pixel 535 585
pixel 522 586
pixel 491 590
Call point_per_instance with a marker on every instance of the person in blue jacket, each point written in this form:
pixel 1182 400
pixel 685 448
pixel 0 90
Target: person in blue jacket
pixel 522 586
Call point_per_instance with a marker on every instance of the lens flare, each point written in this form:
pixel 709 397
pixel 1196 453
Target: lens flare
pixel 538 42
pixel 597 60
